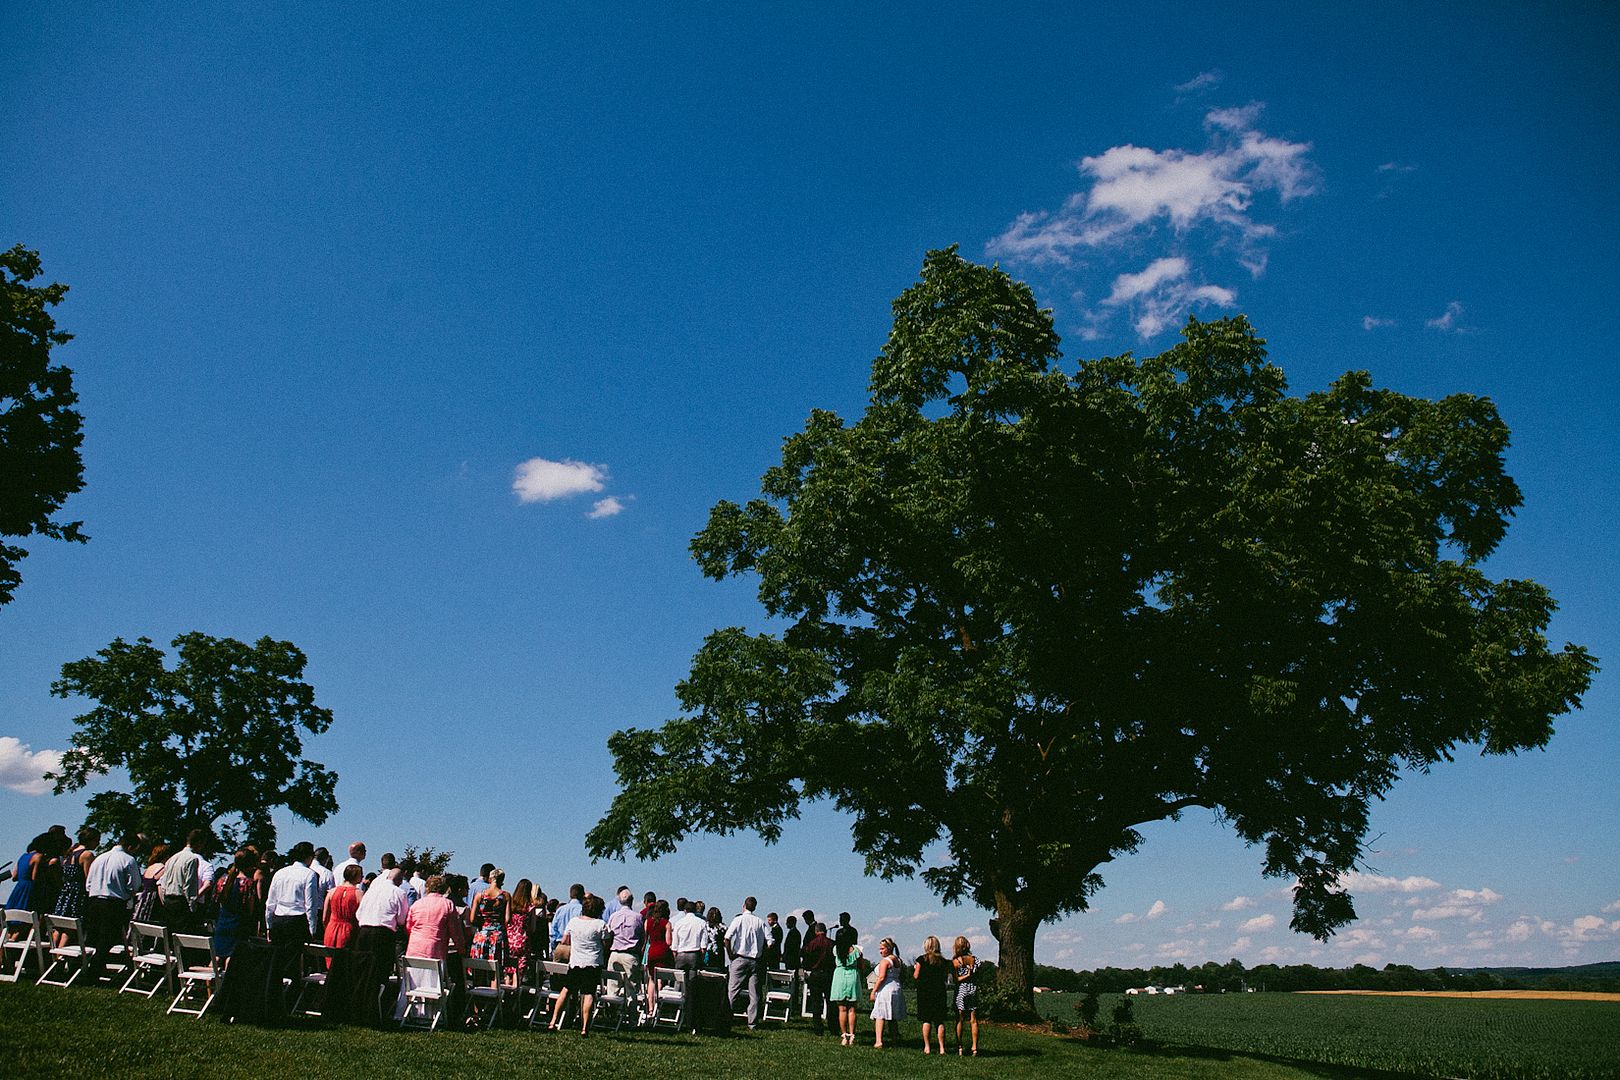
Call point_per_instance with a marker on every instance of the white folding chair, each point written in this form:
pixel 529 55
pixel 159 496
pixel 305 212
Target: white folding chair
pixel 486 1000
pixel 556 978
pixel 151 960
pixel 669 991
pixel 197 969
pixel 70 955
pixel 316 961
pixel 613 994
pixel 778 995
pixel 28 948
pixel 424 992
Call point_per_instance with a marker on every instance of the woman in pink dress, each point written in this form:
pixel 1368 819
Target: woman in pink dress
pixel 341 904
pixel 517 932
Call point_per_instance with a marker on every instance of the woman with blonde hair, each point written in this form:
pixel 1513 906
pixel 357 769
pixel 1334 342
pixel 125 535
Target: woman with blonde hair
pixel 932 973
pixel 963 965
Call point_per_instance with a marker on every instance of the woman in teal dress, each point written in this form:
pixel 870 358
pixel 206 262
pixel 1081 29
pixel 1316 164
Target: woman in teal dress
pixel 846 988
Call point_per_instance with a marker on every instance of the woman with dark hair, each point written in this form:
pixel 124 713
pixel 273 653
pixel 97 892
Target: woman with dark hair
pixel 963 964
pixel 489 918
pixel 70 899
pixel 714 940
pixel 22 887
pixel 887 1004
pixel 236 904
pixel 846 987
pixel 338 913
pixel 587 939
pixel 932 973
pixel 658 941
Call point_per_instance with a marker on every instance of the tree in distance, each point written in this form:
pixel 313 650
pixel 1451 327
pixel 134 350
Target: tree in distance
pixel 39 428
pixel 1026 611
pixel 213 743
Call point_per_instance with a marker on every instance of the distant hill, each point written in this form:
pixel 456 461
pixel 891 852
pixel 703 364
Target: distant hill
pixel 1608 969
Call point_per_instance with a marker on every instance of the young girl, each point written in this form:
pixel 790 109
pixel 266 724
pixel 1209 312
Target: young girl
pixel 935 992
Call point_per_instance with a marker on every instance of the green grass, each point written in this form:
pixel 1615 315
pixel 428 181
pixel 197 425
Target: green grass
pixel 1450 1037
pixel 84 1032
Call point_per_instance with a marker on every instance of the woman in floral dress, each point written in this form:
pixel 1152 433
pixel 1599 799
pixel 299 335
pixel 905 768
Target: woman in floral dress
pixel 489 918
pixel 517 932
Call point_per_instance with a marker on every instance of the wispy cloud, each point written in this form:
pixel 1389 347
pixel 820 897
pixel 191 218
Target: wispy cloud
pixel 1446 321
pixel 906 920
pixel 23 770
pixel 542 480
pixel 1135 195
pixel 603 508
pixel 1238 903
pixel 1204 80
pixel 1373 322
pixel 1459 904
pixel 1612 909
pixel 1259 922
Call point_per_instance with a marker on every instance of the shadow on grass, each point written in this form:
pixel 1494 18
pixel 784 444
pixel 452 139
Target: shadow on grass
pixel 1181 1051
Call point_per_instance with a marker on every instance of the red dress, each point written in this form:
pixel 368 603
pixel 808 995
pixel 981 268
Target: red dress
pixel 340 921
pixel 657 944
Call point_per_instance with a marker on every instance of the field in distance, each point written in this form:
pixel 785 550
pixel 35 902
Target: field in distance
pixel 1475 995
pixel 1487 1038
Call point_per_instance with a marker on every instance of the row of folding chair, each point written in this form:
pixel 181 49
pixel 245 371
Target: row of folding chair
pixel 150 958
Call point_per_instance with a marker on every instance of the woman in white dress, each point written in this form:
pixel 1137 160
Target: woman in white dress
pixel 887 1004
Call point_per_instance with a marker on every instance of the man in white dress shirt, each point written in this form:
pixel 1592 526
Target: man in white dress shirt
pixel 746 941
pixel 686 933
pixel 381 915
pixel 357 857
pixel 113 881
pixel 292 910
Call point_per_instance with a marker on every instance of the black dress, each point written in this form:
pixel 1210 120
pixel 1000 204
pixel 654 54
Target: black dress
pixel 933 991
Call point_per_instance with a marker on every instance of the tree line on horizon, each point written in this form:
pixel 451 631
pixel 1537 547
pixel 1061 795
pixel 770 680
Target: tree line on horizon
pixel 1233 977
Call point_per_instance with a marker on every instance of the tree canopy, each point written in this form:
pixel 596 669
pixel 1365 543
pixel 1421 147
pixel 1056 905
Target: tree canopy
pixel 1025 610
pixel 39 428
pixel 213 743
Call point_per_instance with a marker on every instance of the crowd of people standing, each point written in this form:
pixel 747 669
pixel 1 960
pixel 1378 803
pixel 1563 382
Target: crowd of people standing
pixel 301 897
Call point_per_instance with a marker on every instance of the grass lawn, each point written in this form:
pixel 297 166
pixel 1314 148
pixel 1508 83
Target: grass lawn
pixel 46 1031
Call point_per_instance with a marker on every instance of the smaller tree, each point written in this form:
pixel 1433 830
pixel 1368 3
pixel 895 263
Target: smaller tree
pixel 213 743
pixel 39 428
pixel 426 861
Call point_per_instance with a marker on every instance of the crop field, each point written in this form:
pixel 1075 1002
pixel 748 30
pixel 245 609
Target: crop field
pixel 1426 1036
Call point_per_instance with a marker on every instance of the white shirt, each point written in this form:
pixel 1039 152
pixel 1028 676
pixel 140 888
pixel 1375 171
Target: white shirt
pixel 746 936
pixel 384 904
pixel 337 872
pixel 114 875
pixel 686 933
pixel 295 890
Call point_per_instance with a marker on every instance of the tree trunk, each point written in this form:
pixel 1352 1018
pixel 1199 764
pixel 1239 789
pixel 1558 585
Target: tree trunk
pixel 1015 968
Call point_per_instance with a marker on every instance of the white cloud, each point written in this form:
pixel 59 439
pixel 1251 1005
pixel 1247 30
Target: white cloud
pixel 1204 80
pixel 1373 322
pixel 607 507
pixel 1421 933
pixel 1158 909
pixel 1446 321
pixel 906 920
pixel 1611 909
pixel 23 770
pixel 1242 943
pixel 1396 167
pixel 1259 922
pixel 1459 904
pixel 1160 295
pixel 1357 882
pixel 1238 903
pixel 1522 930
pixel 1136 188
pixel 542 480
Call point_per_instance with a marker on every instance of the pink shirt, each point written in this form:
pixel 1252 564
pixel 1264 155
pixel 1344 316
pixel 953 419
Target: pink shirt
pixel 433 924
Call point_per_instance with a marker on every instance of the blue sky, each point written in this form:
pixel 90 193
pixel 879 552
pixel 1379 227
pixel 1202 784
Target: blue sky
pixel 344 282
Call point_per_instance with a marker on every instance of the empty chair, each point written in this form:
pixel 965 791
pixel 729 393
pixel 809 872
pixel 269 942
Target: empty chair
pixel 197 969
pixel 485 1000
pixel 424 992
pixel 778 995
pixel 556 978
pixel 613 994
pixel 316 964
pixel 669 988
pixel 28 949
pixel 68 956
pixel 151 966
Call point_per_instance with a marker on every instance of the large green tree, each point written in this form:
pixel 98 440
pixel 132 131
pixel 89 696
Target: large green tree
pixel 212 743
pixel 39 428
pixel 1027 609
